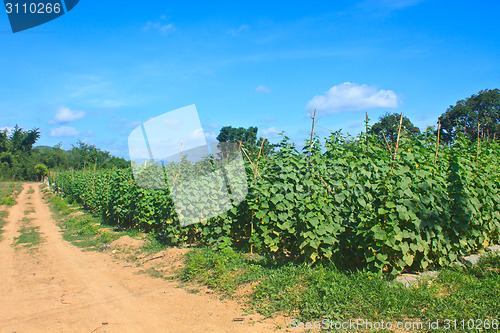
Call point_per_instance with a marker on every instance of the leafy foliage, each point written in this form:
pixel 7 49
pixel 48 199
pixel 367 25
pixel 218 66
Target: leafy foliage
pixel 388 126
pixel 247 137
pixel 483 109
pixel 19 160
pixel 349 202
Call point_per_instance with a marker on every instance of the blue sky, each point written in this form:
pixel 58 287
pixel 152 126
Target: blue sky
pixel 103 68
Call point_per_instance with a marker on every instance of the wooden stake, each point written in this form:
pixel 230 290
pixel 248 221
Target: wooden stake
pixel 251 234
pixel 312 131
pixel 258 157
pixel 366 129
pixel 387 143
pixel 477 153
pixel 249 160
pixel 180 162
pixel 437 145
pixel 397 142
pixel 327 187
pixel 399 134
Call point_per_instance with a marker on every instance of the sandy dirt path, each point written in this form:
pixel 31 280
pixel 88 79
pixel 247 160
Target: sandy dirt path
pixel 59 288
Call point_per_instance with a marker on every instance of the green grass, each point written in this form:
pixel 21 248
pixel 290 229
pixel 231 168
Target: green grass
pixel 85 231
pixel 153 245
pixel 29 235
pixel 30 210
pixel 3 216
pixel 153 272
pixel 307 293
pixel 6 191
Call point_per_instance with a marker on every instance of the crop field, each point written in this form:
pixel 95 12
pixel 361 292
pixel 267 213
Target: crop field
pixel 357 202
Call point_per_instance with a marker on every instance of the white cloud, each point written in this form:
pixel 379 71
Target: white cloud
pixel 63 131
pixel 197 134
pixel 240 29
pixel 270 132
pixel 353 97
pixel 210 136
pixel 263 89
pixel 66 115
pixel 161 27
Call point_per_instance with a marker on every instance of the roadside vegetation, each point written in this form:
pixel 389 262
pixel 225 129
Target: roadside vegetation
pixel 8 193
pixel 323 230
pixel 29 236
pixel 324 292
pixel 271 286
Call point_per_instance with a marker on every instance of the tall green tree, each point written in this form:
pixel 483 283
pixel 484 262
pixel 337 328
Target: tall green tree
pixel 247 136
pixel 388 126
pixel 482 108
pixel 4 141
pixel 41 171
pixel 21 140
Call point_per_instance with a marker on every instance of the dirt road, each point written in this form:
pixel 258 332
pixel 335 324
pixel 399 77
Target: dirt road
pixel 59 288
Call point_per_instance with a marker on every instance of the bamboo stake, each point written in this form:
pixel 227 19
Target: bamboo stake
pixel 399 134
pixel 180 162
pixel 249 160
pixel 327 187
pixel 477 153
pixel 387 143
pixel 251 234
pixel 255 176
pixel 366 130
pixel 258 157
pixel 397 142
pixel 312 132
pixel 437 145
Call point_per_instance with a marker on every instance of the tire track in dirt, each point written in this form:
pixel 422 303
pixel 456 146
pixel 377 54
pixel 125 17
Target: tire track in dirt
pixel 59 288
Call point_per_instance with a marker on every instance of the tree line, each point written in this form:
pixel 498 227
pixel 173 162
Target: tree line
pixel 477 116
pixel 20 160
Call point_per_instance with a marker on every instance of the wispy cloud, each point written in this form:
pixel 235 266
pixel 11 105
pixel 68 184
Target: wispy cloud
pixel 270 132
pixel 210 136
pixel 160 26
pixel 236 32
pixel 353 97
pixel 263 89
pixel 65 115
pixel 98 91
pixel 63 131
pixel 387 5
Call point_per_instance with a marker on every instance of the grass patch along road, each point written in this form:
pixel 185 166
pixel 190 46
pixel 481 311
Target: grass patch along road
pixel 29 235
pixel 8 192
pixel 307 293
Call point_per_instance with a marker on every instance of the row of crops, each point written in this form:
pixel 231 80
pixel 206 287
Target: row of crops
pixel 354 201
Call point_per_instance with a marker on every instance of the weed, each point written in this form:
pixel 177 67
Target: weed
pixel 152 244
pixel 153 272
pixel 306 292
pixel 30 210
pixel 3 215
pixel 29 235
